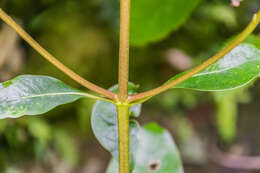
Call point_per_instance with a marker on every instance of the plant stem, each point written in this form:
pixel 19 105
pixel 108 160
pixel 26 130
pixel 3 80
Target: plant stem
pixel 241 37
pixel 7 19
pixel 124 50
pixel 123 70
pixel 123 131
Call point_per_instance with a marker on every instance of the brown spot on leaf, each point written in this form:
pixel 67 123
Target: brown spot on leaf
pixel 154 165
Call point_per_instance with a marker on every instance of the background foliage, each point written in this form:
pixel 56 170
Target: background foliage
pixel 84 35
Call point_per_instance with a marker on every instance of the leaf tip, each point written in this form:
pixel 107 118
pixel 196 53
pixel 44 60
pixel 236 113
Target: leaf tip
pixel 7 84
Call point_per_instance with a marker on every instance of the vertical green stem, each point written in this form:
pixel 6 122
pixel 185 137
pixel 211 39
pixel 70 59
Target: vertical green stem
pixel 123 130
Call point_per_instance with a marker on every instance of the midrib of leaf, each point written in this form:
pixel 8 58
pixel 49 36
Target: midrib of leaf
pixel 215 71
pixel 230 67
pixel 57 94
pixel 228 89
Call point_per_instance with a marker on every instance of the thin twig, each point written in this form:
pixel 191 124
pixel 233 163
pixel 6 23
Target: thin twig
pixel 241 37
pixel 7 19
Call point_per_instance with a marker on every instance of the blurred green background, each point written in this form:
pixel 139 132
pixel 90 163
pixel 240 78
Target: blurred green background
pixel 83 34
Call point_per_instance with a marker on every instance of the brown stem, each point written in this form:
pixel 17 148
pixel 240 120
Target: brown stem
pixel 7 19
pixel 241 37
pixel 124 50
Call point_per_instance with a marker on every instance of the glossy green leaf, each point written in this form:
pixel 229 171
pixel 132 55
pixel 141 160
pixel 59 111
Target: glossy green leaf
pixel 156 152
pixel 32 95
pixel 104 123
pixel 234 70
pixel 152 20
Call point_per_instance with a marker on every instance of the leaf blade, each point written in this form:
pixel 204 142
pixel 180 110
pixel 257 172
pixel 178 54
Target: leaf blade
pixel 150 23
pixel 234 70
pixel 33 95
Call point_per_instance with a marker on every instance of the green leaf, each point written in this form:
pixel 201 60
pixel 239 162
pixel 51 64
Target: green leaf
pixel 221 13
pixel 66 146
pixel 254 40
pixel 32 95
pixel 152 20
pixel 104 123
pixel 234 70
pixel 40 129
pixel 226 115
pixel 226 111
pixel 156 152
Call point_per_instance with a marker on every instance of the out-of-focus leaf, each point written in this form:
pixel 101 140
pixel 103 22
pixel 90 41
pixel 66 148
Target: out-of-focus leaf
pixel 226 116
pixel 153 20
pixel 3 125
pixel 226 111
pixel 221 13
pixel 84 109
pixel 104 123
pixel 65 146
pixel 32 95
pixel 40 129
pixel 155 152
pixel 234 70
